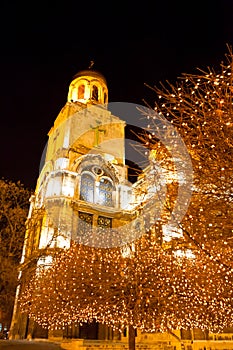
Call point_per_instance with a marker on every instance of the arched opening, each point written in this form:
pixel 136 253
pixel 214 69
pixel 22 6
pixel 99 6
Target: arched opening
pixel 105 97
pixel 105 192
pixel 95 93
pixel 81 91
pixel 96 183
pixel 87 188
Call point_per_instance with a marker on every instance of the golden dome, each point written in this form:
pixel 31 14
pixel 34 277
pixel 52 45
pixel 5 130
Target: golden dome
pixel 91 73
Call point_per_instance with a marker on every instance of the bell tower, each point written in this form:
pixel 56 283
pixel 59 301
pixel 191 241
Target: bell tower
pixel 82 185
pixel 88 86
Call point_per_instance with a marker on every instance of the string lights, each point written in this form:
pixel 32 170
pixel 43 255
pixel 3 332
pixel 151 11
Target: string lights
pixel 153 290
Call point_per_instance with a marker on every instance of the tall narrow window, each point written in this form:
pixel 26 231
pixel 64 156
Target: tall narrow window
pixel 85 222
pixel 87 188
pixel 103 226
pixel 105 97
pixel 105 192
pixel 95 93
pixel 81 90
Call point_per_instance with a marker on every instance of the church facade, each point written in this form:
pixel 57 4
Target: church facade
pixel 83 185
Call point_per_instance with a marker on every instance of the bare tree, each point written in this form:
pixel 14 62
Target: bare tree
pixel 200 107
pixel 14 204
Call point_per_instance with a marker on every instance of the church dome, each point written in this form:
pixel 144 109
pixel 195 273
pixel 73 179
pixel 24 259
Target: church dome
pixel 88 86
pixel 91 73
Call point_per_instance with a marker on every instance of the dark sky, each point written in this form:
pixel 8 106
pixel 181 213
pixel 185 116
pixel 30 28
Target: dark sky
pixel 43 44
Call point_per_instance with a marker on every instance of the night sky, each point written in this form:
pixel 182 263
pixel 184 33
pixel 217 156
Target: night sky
pixel 43 45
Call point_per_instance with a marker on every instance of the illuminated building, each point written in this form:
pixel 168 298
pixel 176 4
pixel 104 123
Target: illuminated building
pixel 83 183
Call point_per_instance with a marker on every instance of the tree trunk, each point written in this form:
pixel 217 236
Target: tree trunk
pixel 131 338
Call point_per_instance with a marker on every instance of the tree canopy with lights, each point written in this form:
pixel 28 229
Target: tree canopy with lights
pixel 200 107
pixel 151 290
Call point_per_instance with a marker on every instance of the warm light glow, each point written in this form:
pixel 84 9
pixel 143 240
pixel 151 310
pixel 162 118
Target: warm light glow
pixel 170 232
pixel 174 276
pixel 187 253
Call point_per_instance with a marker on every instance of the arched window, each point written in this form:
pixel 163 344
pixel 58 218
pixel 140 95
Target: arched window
pixel 105 192
pixel 96 186
pixel 95 93
pixel 81 90
pixel 87 188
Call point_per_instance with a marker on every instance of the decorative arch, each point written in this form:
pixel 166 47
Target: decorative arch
pixel 97 182
pixel 90 160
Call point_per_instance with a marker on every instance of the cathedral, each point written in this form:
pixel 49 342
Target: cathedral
pixel 83 184
pixel 84 187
